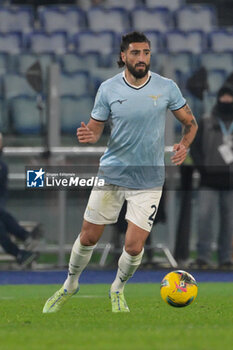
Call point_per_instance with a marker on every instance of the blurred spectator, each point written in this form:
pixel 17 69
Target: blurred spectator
pixel 183 229
pixel 212 152
pixel 196 84
pixel 9 226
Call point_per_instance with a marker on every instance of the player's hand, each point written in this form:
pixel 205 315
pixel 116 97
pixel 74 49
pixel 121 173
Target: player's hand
pixel 84 134
pixel 180 153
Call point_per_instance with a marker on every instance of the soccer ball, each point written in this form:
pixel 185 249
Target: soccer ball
pixel 178 288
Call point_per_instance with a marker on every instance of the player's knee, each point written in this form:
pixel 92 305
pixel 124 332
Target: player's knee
pixel 87 238
pixel 133 250
pixel 89 235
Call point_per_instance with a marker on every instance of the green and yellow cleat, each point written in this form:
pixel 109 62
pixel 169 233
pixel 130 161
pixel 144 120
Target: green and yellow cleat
pixel 118 302
pixel 55 303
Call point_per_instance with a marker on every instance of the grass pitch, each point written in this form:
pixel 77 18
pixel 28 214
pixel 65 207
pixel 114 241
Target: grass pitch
pixel 87 323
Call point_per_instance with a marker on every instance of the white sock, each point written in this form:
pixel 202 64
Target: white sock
pixel 127 265
pixel 79 258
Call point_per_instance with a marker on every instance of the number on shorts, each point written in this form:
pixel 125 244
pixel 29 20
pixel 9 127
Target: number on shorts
pixel 152 216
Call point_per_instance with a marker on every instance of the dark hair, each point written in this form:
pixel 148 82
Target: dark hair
pixel 133 37
pixel 225 89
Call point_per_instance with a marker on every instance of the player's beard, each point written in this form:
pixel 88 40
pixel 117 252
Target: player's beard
pixel 138 74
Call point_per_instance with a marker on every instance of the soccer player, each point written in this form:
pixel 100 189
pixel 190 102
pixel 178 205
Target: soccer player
pixel 136 101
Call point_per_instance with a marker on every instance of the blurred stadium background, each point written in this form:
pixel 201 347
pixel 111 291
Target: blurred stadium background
pixel 77 46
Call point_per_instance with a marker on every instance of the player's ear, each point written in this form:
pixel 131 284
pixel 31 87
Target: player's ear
pixel 123 56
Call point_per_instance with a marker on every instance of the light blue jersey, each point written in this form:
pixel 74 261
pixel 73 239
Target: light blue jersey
pixel 134 157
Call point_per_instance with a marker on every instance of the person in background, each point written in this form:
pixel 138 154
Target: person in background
pixel 9 225
pixel 183 230
pixel 196 85
pixel 212 152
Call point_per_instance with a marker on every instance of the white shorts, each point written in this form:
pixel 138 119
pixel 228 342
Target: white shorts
pixel 105 205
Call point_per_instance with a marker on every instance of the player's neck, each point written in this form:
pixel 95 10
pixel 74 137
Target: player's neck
pixel 134 81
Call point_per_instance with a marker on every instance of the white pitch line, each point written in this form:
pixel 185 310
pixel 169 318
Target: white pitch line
pixel 89 296
pixel 75 296
pixel 6 298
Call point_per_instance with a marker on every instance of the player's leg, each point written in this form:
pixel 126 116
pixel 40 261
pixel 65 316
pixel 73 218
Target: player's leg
pixel 80 256
pixel 103 207
pixel 141 211
pixel 81 253
pixel 128 263
pixel 131 256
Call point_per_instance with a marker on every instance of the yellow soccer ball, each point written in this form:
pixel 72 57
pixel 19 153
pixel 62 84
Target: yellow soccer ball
pixel 178 288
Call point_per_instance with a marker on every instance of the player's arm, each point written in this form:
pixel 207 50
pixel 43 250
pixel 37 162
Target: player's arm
pixel 186 117
pixel 91 132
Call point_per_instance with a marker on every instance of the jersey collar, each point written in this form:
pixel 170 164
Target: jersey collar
pixel 134 86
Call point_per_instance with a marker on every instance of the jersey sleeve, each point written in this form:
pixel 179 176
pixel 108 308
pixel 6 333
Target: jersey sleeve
pixel 101 109
pixel 176 99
